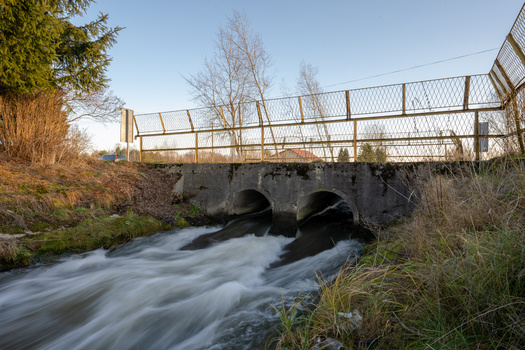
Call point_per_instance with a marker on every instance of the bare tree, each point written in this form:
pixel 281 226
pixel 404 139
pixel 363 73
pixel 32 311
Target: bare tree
pixel 307 84
pixel 292 110
pixel 235 75
pixel 254 57
pixel 101 105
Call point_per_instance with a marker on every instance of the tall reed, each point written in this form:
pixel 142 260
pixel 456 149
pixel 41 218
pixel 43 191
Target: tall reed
pixel 33 127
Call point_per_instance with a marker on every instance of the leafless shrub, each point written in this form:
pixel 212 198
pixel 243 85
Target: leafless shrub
pixel 35 128
pixel 32 127
pixel 74 145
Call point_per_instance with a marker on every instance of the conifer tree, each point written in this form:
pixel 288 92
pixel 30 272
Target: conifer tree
pixel 366 154
pixel 344 155
pixel 52 72
pixel 40 48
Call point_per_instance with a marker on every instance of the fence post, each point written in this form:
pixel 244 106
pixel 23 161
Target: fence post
pixel 162 123
pixel 196 147
pixel 262 126
pixel 212 145
pixel 259 112
pixel 189 117
pixel 140 152
pixel 243 155
pixel 223 118
pixel 404 99
pixel 501 98
pixel 505 76
pixel 348 110
pixel 136 125
pixel 516 112
pixel 262 143
pixel 467 92
pixel 355 140
pixel 503 88
pixel 476 135
pixel 300 108
pixel 516 48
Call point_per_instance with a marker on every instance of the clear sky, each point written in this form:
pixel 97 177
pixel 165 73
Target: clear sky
pixel 165 40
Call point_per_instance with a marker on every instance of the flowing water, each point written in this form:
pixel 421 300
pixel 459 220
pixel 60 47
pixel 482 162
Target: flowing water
pixel 149 294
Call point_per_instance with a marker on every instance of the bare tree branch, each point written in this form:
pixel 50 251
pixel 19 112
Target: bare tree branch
pixel 102 106
pixel 235 75
pixel 307 84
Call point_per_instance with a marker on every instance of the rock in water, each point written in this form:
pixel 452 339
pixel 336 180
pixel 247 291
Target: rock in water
pixel 329 344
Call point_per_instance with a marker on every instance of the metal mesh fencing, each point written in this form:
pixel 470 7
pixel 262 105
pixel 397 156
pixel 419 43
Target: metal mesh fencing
pixel 462 118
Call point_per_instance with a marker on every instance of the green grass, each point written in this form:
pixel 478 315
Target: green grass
pixel 59 209
pixel 291 319
pixel 102 232
pixel 91 233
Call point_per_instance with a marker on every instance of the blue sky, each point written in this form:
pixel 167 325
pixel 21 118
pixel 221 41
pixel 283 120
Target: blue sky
pixel 165 40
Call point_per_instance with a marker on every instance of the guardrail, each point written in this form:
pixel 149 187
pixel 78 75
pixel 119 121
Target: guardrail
pixel 469 118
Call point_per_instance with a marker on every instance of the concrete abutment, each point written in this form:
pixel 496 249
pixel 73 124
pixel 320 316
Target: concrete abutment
pixel 377 193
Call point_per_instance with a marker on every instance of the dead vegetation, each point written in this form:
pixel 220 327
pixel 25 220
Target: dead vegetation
pixel 42 199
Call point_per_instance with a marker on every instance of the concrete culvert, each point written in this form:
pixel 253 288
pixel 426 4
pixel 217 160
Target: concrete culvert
pixel 249 201
pixel 320 202
pixel 324 218
pixel 250 214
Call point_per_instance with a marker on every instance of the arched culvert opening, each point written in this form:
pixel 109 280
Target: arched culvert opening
pixel 323 203
pixel 324 218
pixel 248 202
pixel 250 213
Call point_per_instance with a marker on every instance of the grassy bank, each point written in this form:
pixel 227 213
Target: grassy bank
pixel 452 276
pixel 46 211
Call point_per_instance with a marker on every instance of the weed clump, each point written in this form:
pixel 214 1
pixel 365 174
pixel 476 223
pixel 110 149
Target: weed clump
pixel 452 276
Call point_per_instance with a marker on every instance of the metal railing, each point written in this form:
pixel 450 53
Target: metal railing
pixel 469 118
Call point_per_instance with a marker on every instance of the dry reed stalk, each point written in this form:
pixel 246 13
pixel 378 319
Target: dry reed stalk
pixel 33 126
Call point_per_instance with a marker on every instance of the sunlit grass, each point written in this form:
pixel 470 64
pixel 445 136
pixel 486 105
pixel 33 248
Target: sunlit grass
pixel 102 232
pixel 77 208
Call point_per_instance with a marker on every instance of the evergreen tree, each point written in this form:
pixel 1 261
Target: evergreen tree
pixel 50 68
pixel 41 49
pixel 366 154
pixel 344 155
pixel 380 153
pixel 371 155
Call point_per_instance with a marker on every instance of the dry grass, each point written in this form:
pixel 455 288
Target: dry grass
pixel 33 126
pixel 52 199
pixel 453 205
pixel 31 193
pixel 450 277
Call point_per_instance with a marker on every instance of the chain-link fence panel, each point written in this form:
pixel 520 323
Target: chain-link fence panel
pixel 461 118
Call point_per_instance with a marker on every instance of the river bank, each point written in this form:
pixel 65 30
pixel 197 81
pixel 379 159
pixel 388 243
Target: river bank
pixel 451 276
pixel 46 211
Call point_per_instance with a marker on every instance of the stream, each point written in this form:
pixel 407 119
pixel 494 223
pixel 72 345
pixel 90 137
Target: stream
pixel 150 294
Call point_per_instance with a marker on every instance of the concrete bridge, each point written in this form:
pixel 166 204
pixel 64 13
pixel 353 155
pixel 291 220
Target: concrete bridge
pixel 377 193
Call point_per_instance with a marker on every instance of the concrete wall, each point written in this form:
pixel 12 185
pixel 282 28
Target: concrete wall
pixel 377 193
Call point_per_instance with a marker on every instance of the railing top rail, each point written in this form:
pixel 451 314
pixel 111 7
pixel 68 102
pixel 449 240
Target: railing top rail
pixel 324 93
pixel 446 94
pixel 508 70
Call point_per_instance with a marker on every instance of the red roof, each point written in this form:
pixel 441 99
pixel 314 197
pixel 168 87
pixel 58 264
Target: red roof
pixel 304 153
pixel 301 153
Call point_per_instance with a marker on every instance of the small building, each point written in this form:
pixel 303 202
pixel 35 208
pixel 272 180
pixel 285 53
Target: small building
pixel 295 156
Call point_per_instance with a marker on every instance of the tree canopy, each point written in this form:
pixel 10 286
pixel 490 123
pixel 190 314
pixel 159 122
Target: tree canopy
pixel 40 48
pixel 344 155
pixel 371 155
